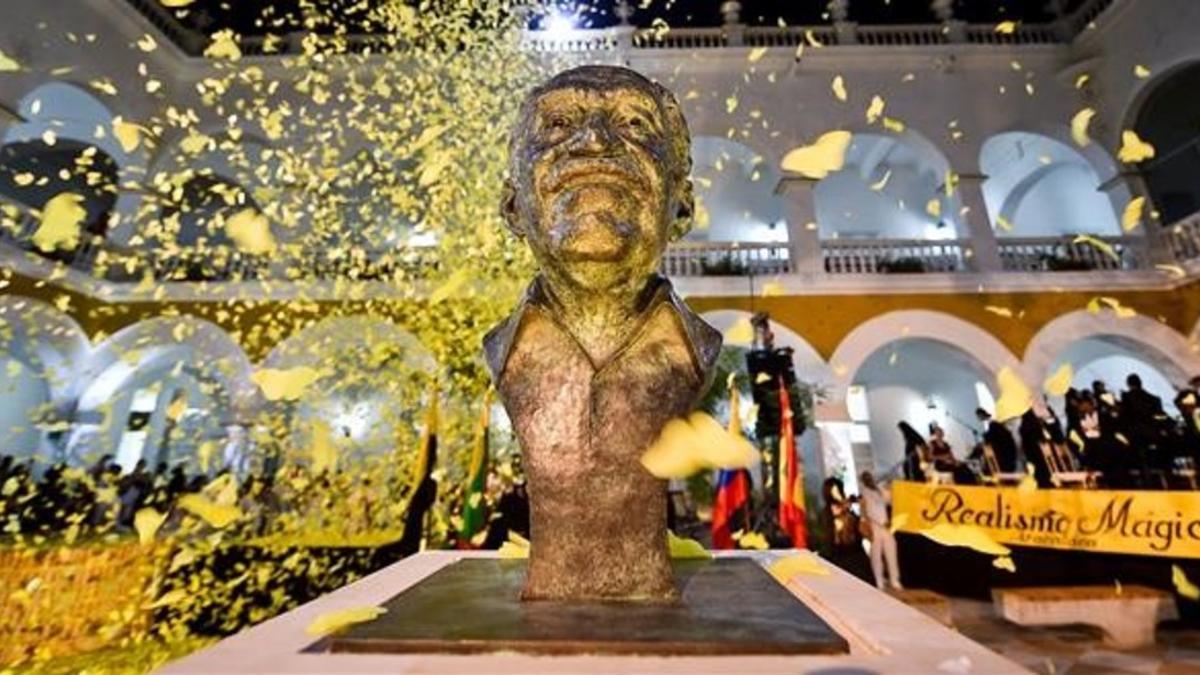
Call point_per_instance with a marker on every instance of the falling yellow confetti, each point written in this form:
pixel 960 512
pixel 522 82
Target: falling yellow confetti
pixel 683 548
pixel 1082 81
pixel 175 4
pixel 699 442
pixel 1132 216
pixel 8 64
pixel 217 515
pixel 62 218
pixel 786 568
pixel 1134 149
pixel 1141 72
pixel 1079 127
pixel 333 622
pixel 285 385
pixel 756 54
pixel 1102 246
pixel 1004 224
pixel 826 155
pixel 999 311
pixel 968 536
pixel 451 286
pixel 1183 585
pixel 516 548
pixel 875 109
pixel 147 43
pixel 24 179
pixel 839 88
pixel 752 540
pixel 224 46
pixel 1006 27
pixel 250 231
pixel 1015 398
pixel 324 452
pixel 146 522
pixel 127 134
pixel 1004 563
pixel 877 187
pixel 1060 381
pixel 934 207
pixel 893 125
pixel 740 333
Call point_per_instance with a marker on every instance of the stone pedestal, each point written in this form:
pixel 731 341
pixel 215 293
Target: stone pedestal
pixel 882 635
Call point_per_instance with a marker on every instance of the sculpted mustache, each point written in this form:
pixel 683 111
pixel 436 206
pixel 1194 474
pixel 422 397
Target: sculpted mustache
pixel 575 169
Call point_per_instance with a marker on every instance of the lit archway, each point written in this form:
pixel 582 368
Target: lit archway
pixel 893 186
pixel 735 199
pixel 1038 186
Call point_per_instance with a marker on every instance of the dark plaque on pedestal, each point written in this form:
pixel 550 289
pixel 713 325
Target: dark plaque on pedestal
pixel 728 606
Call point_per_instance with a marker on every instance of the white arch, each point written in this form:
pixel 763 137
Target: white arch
pixel 49 340
pixel 312 344
pixel 735 193
pixel 71 112
pixel 869 337
pixel 1179 359
pixel 152 344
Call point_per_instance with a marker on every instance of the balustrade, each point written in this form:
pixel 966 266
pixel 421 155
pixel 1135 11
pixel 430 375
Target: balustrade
pixel 1183 238
pixel 1067 254
pixel 892 256
pixel 701 259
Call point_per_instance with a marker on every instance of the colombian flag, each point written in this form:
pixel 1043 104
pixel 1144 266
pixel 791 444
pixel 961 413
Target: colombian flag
pixel 791 476
pixel 733 490
pixel 472 509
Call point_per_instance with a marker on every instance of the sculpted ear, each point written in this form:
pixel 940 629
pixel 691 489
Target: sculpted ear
pixel 685 211
pixel 508 208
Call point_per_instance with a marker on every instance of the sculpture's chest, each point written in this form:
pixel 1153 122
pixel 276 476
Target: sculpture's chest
pixel 567 412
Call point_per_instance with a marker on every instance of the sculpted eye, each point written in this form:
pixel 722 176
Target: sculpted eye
pixel 557 123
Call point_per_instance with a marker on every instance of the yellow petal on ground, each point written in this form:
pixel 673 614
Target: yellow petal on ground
pixel 699 442
pixel 250 231
pixel 147 521
pixel 128 135
pixel 1015 398
pixel 875 109
pixel 1079 127
pixel 839 88
pixel 1132 216
pixel 740 333
pixel 786 568
pixel 1004 563
pixel 333 622
pixel 8 64
pixel 1183 585
pixel 968 536
pixel 516 548
pixel 1060 381
pixel 1134 149
pixel 62 219
pixel 1006 27
pixel 217 515
pixel 285 385
pixel 683 548
pixel 826 155
pixel 753 541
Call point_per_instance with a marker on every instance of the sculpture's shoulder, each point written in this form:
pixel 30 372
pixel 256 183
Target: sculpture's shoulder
pixel 706 340
pixel 498 342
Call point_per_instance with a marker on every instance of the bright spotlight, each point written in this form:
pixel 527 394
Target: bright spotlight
pixel 559 25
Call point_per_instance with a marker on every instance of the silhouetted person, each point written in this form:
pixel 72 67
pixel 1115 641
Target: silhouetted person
pixel 1000 439
pixel 916 452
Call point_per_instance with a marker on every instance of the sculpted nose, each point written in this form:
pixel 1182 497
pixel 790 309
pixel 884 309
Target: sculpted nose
pixel 594 137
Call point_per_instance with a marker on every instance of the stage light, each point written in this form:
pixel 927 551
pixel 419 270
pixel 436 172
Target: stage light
pixel 559 26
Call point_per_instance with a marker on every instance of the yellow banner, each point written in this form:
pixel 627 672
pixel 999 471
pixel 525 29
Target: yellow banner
pixel 1109 521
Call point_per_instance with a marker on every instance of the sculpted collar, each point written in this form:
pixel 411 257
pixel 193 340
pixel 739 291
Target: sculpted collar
pixel 703 340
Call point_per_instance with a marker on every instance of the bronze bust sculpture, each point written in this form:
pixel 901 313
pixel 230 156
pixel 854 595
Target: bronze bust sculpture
pixel 600 353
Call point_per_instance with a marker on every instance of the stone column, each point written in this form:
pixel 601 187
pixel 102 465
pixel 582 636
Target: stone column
pixel 731 14
pixel 847 30
pixel 804 237
pixel 982 239
pixel 955 30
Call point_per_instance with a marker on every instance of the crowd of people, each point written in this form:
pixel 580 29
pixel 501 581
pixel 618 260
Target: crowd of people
pixel 1125 441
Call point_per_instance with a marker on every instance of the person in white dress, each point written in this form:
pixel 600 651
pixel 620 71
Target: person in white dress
pixel 875 501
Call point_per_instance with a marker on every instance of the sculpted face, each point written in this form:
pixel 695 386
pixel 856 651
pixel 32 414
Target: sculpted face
pixel 598 186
